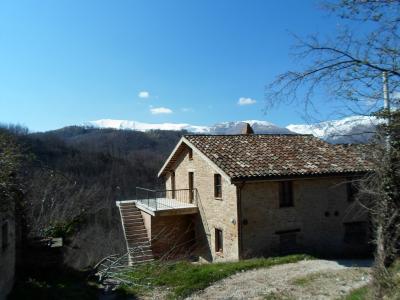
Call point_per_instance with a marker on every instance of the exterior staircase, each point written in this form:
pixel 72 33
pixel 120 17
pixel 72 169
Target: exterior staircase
pixel 137 241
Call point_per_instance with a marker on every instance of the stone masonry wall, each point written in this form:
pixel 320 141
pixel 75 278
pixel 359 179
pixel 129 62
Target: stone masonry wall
pixel 172 236
pixel 214 213
pixel 320 210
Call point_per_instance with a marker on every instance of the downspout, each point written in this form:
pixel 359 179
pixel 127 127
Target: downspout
pixel 239 187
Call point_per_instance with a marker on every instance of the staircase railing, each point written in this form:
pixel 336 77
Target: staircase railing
pixel 203 215
pixel 161 199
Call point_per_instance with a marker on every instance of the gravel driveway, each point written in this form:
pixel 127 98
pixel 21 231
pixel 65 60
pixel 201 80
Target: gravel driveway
pixel 309 279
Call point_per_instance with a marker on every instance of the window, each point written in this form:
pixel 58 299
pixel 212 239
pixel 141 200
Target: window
pixel 288 241
pixel 355 232
pixel 190 154
pixel 4 236
pixel 286 194
pixel 352 190
pixel 191 184
pixel 217 186
pixel 173 185
pixel 219 240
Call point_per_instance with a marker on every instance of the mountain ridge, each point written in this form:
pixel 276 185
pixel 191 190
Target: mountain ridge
pixel 353 129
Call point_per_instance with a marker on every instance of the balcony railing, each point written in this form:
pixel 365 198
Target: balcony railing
pixel 166 199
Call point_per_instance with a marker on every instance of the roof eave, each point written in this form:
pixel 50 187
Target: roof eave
pixel 184 140
pixel 298 176
pixel 162 170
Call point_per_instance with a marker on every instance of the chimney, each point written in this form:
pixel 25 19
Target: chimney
pixel 247 129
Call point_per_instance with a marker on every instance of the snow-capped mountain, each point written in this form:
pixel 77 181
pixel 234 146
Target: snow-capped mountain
pixel 141 126
pixel 354 129
pixel 219 128
pixel 258 127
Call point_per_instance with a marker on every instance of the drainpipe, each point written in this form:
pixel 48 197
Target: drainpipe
pixel 239 187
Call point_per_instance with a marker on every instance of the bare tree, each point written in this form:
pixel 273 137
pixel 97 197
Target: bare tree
pixel 348 69
pixel 10 159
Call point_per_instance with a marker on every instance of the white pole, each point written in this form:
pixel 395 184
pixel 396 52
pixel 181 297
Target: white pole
pixel 386 103
pixel 386 100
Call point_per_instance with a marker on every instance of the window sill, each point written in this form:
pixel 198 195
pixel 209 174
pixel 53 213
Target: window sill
pixel 283 207
pixel 220 254
pixel 218 198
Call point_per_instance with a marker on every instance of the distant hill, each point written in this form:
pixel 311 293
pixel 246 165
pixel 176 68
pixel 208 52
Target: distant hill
pixel 75 175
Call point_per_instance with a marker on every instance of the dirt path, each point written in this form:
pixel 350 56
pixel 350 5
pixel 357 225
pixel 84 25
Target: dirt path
pixel 312 279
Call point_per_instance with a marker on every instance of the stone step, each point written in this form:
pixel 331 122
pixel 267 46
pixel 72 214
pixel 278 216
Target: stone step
pixel 143 247
pixel 138 244
pixel 131 214
pixel 136 233
pixel 142 257
pixel 137 251
pixel 141 262
pixel 129 210
pixel 128 205
pixel 133 227
pixel 135 220
pixel 138 230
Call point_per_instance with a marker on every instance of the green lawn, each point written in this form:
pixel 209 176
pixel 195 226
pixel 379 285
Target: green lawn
pixel 184 278
pixel 358 294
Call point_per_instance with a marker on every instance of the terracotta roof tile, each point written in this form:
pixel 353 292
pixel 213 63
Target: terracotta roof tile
pixel 260 155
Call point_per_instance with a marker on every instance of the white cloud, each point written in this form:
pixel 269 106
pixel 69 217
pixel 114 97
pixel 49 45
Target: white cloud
pixel 186 109
pixel 395 95
pixel 246 101
pixel 160 110
pixel 144 94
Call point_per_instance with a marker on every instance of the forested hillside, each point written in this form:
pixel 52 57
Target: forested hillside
pixel 73 176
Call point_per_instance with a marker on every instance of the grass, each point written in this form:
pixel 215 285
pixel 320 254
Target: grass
pixel 184 278
pixel 314 278
pixel 277 296
pixel 358 294
pixel 392 293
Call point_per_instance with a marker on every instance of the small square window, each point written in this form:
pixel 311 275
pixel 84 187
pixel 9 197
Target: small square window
pixel 286 194
pixel 217 186
pixel 288 243
pixel 219 240
pixel 355 232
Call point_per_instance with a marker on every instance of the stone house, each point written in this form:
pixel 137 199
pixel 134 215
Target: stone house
pixel 229 197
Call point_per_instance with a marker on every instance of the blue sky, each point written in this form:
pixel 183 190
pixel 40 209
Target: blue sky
pixel 67 62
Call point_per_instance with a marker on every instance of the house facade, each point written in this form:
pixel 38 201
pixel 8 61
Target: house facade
pixel 251 195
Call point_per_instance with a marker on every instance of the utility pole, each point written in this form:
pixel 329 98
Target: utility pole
pixel 386 105
pixel 386 100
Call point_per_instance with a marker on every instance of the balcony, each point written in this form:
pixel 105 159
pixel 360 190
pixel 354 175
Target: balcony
pixel 165 202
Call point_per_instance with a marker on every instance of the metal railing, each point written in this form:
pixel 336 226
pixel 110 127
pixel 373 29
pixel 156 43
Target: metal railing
pixel 166 199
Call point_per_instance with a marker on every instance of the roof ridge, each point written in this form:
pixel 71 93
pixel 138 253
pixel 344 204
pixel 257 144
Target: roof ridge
pixel 255 134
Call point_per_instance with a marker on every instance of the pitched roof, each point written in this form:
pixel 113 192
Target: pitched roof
pixel 264 155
